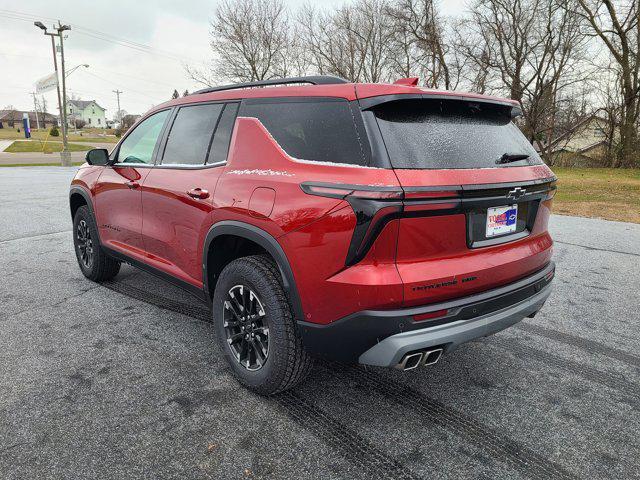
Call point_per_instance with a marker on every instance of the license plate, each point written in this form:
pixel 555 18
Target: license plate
pixel 501 220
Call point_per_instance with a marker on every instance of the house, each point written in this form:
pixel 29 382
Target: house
pixel 13 119
pixel 129 120
pixel 585 145
pixel 92 114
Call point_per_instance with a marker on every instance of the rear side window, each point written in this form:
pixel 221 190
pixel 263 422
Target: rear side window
pixel 220 146
pixel 319 130
pixel 191 134
pixel 444 134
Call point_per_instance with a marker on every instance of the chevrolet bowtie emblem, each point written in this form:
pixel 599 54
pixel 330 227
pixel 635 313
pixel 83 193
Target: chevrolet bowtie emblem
pixel 516 193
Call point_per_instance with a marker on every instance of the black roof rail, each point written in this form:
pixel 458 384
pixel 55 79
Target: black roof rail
pixel 313 80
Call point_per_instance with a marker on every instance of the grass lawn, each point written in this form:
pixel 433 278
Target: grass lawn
pixel 612 194
pixel 35 146
pixel 87 135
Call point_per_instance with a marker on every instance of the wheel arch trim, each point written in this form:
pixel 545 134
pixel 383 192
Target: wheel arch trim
pixel 266 241
pixel 78 190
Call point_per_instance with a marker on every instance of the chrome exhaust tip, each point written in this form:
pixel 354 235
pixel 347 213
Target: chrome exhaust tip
pixel 431 357
pixel 410 361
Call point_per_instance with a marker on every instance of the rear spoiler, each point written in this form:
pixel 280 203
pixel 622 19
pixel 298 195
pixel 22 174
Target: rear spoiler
pixel 371 102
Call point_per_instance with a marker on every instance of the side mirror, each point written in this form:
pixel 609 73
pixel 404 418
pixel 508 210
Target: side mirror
pixel 97 156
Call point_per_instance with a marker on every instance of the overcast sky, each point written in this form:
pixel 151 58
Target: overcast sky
pixel 178 32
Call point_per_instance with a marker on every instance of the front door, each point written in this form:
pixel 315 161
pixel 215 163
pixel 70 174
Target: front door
pixel 177 196
pixel 118 203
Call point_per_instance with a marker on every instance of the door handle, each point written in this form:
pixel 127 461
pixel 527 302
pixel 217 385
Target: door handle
pixel 132 184
pixel 198 193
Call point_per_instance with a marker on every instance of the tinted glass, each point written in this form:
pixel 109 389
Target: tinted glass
pixel 139 145
pixel 191 133
pixel 322 131
pixel 450 134
pixel 220 146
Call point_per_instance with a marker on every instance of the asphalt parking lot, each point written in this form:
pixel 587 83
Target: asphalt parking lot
pixel 123 380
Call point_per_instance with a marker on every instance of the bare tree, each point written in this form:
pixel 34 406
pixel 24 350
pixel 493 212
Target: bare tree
pixel 43 109
pixel 419 40
pixel 352 41
pixel 529 50
pixel 249 39
pixel 618 27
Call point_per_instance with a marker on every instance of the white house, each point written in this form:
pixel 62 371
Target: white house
pixel 88 111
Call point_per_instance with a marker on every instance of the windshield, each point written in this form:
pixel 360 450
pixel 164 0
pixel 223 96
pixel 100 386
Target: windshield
pixel 444 134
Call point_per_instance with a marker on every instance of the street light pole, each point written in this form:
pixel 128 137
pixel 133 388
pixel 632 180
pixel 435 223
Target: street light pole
pixel 75 68
pixel 62 100
pixel 66 155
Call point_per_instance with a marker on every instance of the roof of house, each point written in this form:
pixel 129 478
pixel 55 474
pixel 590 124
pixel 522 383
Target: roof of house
pixel 82 104
pixel 570 133
pixel 583 150
pixel 559 143
pixel 17 115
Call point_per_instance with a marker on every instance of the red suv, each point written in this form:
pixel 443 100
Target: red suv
pixel 383 224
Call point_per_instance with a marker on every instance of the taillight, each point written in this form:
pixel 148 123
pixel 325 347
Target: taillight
pixel 335 190
pixel 376 205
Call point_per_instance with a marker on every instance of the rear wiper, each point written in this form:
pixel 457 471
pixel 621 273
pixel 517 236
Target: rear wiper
pixel 508 158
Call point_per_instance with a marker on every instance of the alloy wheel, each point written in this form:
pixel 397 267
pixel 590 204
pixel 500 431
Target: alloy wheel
pixel 84 244
pixel 246 327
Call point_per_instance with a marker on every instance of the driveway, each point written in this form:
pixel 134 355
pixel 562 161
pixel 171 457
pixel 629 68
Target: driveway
pixel 122 380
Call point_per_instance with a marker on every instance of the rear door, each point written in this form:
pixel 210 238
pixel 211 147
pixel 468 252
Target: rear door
pixel 177 197
pixel 477 196
pixel 117 193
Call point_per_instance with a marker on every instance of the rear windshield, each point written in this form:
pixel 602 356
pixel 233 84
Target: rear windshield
pixel 422 134
pixel 319 130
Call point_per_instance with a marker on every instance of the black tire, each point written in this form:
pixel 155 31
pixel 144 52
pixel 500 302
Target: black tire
pixel 94 263
pixel 287 363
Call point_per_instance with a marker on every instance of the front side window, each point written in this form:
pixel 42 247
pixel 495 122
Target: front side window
pixel 191 134
pixel 139 145
pixel 320 130
pixel 444 134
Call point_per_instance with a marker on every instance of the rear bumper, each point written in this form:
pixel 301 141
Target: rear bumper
pixel 383 337
pixel 390 351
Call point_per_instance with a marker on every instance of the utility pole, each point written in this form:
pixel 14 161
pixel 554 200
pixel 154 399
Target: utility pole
pixel 35 109
pixel 118 92
pixel 65 156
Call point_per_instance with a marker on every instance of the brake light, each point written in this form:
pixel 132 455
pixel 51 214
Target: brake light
pixel 419 194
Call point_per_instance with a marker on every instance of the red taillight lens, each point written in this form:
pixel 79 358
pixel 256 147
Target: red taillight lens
pixel 418 194
pixel 355 191
pixel 325 191
pixel 550 275
pixel 429 315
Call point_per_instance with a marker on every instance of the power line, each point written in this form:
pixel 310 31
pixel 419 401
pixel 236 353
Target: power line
pixel 106 37
pixel 120 74
pixel 118 85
